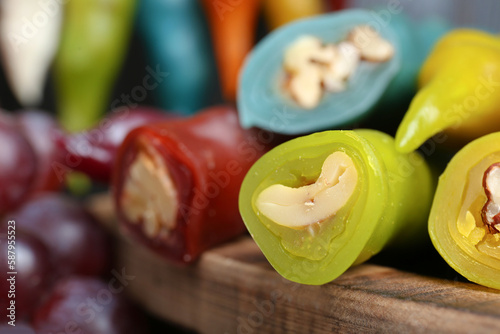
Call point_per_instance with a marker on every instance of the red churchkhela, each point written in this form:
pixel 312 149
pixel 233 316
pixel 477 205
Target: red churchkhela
pixel 176 183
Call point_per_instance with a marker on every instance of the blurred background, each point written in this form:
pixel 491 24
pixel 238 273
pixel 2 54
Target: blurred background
pixel 83 59
pixel 458 12
pixel 171 27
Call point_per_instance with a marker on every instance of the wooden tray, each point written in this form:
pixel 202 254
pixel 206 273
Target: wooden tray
pixel 233 289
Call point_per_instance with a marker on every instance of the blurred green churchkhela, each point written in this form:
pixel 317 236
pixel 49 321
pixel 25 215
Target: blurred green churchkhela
pixel 94 38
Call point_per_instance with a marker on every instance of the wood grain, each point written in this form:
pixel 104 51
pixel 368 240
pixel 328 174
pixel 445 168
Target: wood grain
pixel 232 289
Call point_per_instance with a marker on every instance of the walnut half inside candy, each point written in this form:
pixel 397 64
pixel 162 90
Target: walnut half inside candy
pixel 491 210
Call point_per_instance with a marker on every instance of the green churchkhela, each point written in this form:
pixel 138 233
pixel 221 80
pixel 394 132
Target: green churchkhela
pixel 318 204
pixel 94 38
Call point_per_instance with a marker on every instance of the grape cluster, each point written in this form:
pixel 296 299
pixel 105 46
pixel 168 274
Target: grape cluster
pixel 62 254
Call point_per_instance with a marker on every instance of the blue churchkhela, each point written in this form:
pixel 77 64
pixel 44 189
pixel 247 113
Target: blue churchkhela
pixel 177 41
pixel 373 87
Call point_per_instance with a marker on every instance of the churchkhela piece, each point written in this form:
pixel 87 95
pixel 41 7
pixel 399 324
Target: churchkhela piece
pixel 176 183
pixel 280 12
pixel 464 222
pixel 93 43
pixel 29 37
pixel 178 44
pixel 233 25
pixel 458 93
pixel 318 204
pixel 330 71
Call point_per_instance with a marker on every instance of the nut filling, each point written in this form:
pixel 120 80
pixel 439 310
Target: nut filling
pixel 491 210
pixel 149 195
pixel 300 207
pixel 313 67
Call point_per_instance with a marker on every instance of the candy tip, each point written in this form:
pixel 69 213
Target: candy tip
pixel 29 97
pixel 404 144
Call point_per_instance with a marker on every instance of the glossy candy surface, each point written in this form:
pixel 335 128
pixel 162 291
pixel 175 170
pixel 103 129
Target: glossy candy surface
pixel 177 41
pixel 458 91
pixel 29 38
pixel 262 102
pixel 389 203
pixel 456 226
pixel 92 49
pixel 280 12
pixel 233 27
pixel 204 159
pixel 375 89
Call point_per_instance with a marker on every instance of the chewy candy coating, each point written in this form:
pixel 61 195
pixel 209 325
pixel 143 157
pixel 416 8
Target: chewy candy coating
pixel 456 225
pixel 389 203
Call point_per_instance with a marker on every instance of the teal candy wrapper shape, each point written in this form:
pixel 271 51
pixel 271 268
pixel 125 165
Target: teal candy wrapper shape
pixel 263 103
pixel 177 42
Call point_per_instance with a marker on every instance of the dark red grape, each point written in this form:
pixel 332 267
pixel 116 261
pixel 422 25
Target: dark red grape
pixel 47 139
pixel 20 328
pixel 17 165
pixel 93 152
pixel 78 244
pixel 88 306
pixel 30 259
